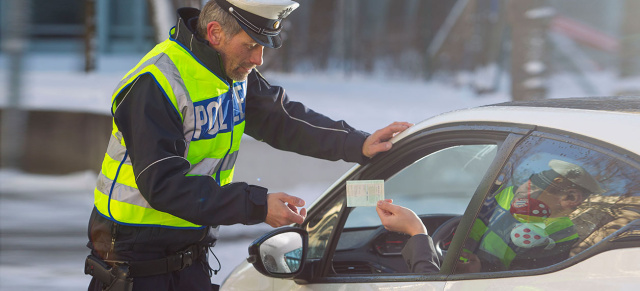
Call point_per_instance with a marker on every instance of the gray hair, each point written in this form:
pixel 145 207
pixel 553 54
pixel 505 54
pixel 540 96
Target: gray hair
pixel 213 12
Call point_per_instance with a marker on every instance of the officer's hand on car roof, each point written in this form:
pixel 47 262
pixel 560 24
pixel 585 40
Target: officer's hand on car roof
pixel 379 140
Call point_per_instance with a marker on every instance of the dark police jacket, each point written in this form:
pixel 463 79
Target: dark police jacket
pixel 420 255
pixel 151 126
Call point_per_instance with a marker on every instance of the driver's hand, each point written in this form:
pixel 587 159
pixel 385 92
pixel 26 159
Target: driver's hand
pixel 399 219
pixel 468 263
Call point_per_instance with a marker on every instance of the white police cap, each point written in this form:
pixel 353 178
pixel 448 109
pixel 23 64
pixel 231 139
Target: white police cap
pixel 260 19
pixel 577 175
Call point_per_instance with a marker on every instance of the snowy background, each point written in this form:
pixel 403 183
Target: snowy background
pixel 43 218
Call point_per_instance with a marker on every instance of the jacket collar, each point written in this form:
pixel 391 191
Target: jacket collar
pixel 185 34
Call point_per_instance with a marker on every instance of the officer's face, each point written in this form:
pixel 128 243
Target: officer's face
pixel 528 190
pixel 560 204
pixel 240 54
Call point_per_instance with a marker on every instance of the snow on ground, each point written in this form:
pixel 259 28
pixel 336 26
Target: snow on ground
pixel 43 218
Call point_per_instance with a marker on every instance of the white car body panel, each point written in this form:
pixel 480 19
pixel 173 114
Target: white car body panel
pixel 408 286
pixel 611 270
pixel 245 278
pixel 596 273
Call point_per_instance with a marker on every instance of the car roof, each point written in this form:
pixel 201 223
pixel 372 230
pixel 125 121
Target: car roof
pixel 613 104
pixel 615 120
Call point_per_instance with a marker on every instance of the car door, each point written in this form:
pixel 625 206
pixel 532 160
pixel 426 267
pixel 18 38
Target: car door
pixel 591 244
pixel 436 173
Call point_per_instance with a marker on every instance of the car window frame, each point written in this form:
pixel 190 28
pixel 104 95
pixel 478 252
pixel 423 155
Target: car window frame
pixel 405 152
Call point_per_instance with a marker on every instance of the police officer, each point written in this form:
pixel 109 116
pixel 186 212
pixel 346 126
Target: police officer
pixel 165 185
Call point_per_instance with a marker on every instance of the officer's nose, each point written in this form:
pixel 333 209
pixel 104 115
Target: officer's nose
pixel 256 55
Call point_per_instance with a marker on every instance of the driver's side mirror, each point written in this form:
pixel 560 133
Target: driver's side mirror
pixel 280 253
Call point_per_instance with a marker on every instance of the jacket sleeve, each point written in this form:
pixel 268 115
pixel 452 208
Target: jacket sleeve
pixel 291 126
pixel 420 255
pixel 152 131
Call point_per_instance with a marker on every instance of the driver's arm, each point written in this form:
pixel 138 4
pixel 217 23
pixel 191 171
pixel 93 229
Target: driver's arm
pixel 420 254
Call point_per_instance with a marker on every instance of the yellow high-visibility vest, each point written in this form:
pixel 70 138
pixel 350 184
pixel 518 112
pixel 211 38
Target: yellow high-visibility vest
pixel 212 113
pixel 488 239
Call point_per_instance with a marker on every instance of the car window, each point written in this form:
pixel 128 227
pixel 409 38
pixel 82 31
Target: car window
pixel 437 186
pixel 551 201
pixel 440 182
pixel 320 227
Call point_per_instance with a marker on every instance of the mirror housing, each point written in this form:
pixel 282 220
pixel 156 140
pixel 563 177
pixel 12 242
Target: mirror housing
pixel 280 253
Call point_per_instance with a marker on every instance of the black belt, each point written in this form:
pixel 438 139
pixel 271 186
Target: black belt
pixel 175 262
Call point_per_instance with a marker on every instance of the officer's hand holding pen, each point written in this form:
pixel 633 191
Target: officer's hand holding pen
pixel 282 209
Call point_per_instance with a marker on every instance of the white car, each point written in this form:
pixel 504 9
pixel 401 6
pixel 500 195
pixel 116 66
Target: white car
pixel 448 170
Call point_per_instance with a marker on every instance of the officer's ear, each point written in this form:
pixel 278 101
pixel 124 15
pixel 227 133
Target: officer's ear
pixel 215 35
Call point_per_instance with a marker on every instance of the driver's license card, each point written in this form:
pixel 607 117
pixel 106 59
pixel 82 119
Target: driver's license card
pixel 364 192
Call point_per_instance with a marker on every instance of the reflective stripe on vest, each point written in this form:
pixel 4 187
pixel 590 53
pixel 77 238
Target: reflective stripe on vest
pixel 492 234
pixel 212 114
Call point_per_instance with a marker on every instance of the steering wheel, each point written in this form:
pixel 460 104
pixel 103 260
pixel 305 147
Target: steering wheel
pixel 442 233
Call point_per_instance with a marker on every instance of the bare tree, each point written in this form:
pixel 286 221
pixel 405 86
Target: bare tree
pixel 322 21
pixel 630 49
pixel 162 17
pixel 14 118
pixel 89 35
pixel 163 14
pixel 529 22
pixel 187 3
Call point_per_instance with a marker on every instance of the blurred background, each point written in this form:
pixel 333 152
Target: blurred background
pixel 369 62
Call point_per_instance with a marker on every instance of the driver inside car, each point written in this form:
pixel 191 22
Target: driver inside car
pixel 419 253
pixel 526 225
